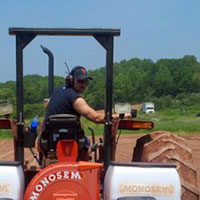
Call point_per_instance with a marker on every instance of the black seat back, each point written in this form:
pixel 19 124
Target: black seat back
pixel 59 127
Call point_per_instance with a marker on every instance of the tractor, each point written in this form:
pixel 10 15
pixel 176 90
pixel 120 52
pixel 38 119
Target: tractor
pixel 156 171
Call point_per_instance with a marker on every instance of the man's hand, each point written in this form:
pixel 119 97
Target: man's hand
pixel 127 115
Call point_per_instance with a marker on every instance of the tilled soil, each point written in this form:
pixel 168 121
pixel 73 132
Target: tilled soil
pixel 123 153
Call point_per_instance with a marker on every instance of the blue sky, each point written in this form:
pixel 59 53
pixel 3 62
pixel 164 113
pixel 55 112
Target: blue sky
pixel 151 29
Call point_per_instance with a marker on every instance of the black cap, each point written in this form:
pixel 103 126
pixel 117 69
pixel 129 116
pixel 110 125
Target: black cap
pixel 80 73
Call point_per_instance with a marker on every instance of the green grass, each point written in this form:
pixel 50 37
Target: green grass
pixel 178 121
pixel 5 134
pixel 98 128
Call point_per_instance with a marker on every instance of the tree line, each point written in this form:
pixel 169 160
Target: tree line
pixel 167 82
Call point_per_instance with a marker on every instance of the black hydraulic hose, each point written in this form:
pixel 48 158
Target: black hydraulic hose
pixel 92 131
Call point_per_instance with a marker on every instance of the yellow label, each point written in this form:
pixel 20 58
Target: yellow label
pixel 146 189
pixel 5 188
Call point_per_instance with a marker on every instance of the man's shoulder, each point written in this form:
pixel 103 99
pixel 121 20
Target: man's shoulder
pixel 67 91
pixel 65 88
pixel 71 90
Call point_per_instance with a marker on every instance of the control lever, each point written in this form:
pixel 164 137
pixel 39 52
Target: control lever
pixel 94 146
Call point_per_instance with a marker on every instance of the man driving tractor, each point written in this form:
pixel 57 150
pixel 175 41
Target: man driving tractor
pixel 67 99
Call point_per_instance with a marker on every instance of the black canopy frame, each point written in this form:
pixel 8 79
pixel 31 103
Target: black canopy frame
pixel 24 36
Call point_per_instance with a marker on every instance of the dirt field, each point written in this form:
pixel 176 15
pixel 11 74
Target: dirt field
pixel 123 153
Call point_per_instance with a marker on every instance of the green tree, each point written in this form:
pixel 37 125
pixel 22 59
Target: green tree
pixel 163 82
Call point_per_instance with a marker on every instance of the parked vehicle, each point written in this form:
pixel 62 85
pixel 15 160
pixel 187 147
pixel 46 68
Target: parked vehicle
pixel 148 107
pixel 6 108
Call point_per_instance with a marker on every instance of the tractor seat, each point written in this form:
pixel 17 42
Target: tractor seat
pixel 59 127
pixel 62 120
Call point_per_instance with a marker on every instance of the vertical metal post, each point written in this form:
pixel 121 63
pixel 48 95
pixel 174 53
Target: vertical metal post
pixel 108 110
pixel 19 152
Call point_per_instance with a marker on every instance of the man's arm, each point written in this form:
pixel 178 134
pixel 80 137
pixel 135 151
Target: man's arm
pixel 81 106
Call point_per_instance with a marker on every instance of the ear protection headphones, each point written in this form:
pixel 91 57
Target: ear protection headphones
pixel 70 78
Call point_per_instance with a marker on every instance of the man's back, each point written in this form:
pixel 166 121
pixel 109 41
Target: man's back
pixel 61 101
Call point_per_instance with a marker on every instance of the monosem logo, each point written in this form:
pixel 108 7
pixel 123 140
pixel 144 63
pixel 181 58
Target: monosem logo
pixel 53 177
pixel 5 188
pixel 146 189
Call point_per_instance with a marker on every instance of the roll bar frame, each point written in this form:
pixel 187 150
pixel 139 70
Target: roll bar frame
pixel 24 36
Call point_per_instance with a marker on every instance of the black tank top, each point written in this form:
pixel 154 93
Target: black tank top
pixel 61 102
